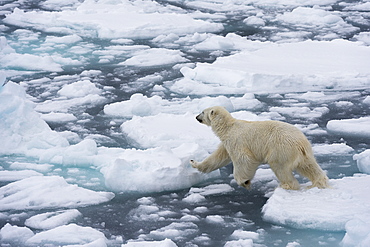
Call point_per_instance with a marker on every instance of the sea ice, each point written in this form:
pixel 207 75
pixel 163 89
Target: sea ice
pixel 140 105
pixel 322 209
pixel 325 21
pixel 175 231
pixel 284 67
pixel 363 161
pixel 79 89
pixel 350 127
pixel 332 149
pixel 52 220
pixel 103 19
pixel 43 192
pixel 9 59
pixel 153 170
pixel 71 234
pixel 21 127
pixel 170 130
pixel 155 57
pixel 164 243
pixel 10 176
pixel 357 232
pixel 15 235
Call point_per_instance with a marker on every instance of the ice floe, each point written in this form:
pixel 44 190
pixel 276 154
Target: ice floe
pixel 52 220
pixel 71 234
pixel 363 161
pixel 327 209
pixel 350 127
pixel 104 18
pixel 306 65
pixel 41 192
pixel 21 127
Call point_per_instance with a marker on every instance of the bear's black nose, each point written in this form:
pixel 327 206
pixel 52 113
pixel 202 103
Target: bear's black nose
pixel 199 119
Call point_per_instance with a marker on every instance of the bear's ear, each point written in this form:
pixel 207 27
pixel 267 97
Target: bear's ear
pixel 212 112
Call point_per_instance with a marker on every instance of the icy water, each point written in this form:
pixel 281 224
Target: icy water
pixel 96 152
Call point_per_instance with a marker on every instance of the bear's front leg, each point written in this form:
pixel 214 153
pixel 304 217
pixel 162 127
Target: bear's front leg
pixel 217 159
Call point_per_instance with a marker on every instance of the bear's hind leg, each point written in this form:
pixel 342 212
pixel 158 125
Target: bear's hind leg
pixel 313 172
pixel 285 177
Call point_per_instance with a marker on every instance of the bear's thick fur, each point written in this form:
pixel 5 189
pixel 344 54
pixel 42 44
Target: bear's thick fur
pixel 250 143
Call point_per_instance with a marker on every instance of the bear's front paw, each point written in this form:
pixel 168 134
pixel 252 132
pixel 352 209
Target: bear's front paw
pixel 193 163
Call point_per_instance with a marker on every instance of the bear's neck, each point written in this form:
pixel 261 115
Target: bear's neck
pixel 221 125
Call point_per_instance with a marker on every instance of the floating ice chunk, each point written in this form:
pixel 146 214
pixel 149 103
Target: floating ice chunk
pixel 31 62
pixel 239 243
pixel 215 219
pixel 48 192
pixel 51 220
pixel 313 65
pixel 332 149
pixel 212 189
pixel 304 17
pixel 194 199
pixel 240 234
pixel 68 235
pixel 9 176
pixel 15 235
pixel 68 39
pixel 367 100
pixel 79 89
pixel 321 209
pixel 357 232
pixel 154 170
pixel 164 243
pixel 175 231
pixel 21 127
pixel 363 161
pixel 169 130
pixel 63 105
pixel 301 112
pixel 31 166
pixel 350 127
pixel 140 105
pixel 155 57
pixel 254 21
pixel 11 60
pixel 58 117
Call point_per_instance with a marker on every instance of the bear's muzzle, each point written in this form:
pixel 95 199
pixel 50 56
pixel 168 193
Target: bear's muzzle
pixel 199 118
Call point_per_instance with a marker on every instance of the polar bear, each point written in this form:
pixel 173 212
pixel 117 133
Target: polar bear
pixel 250 143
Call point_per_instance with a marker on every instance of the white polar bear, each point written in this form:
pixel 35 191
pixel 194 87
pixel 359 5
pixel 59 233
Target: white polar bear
pixel 249 143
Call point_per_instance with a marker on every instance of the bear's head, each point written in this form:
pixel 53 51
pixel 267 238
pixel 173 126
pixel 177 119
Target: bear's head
pixel 212 115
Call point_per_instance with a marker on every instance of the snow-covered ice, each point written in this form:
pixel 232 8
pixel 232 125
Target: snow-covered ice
pixel 323 209
pixel 41 192
pixel 98 100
